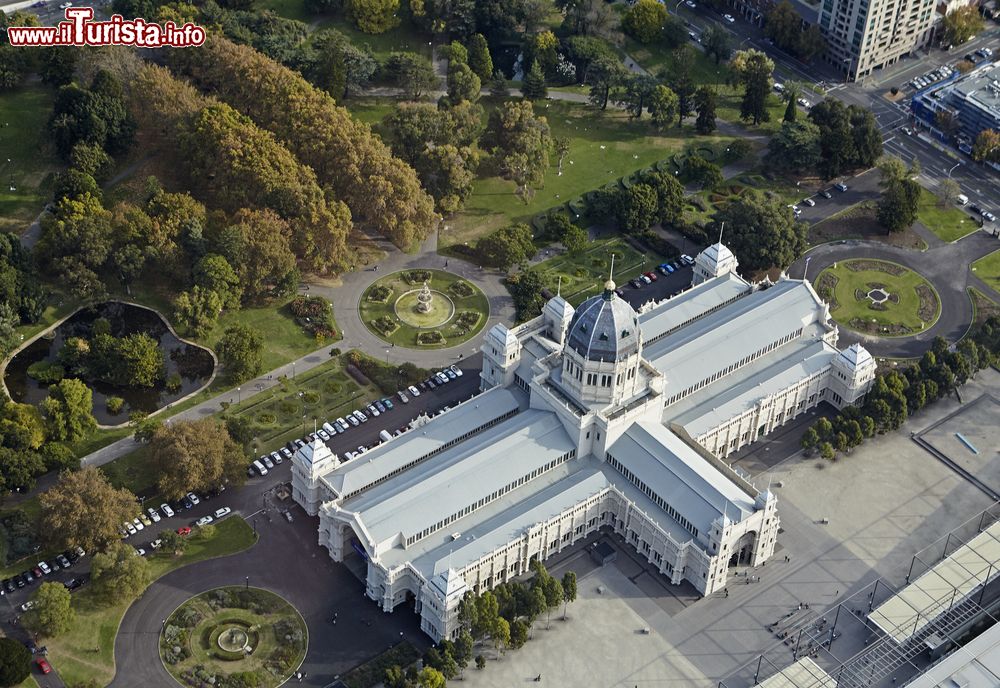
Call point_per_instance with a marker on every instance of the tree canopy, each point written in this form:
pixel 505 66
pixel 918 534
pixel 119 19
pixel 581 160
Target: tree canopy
pixel 83 509
pixel 240 351
pixel 762 232
pixel 196 456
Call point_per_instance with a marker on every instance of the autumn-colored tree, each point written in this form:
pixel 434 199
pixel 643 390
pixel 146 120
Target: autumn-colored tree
pixel 373 16
pixel 987 146
pixel 353 163
pixel 256 245
pixel 196 456
pixel 83 509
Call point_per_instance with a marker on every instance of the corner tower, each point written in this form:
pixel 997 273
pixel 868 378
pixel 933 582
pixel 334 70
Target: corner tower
pixel 714 261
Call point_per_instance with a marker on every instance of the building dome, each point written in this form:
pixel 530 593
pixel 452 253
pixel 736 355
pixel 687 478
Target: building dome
pixel 604 328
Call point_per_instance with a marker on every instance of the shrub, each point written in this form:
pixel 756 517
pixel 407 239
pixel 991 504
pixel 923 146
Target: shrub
pixel 266 419
pixel 388 378
pixel 385 325
pixel 114 405
pixel 310 397
pixel 466 320
pixel 417 276
pixel 308 306
pixel 174 383
pixel 380 294
pixel 430 337
pixel 46 372
pixel 461 289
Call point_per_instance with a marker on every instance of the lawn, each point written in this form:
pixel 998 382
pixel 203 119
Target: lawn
pixel 370 110
pixel 947 222
pixel 911 307
pixel 290 9
pixel 403 38
pixel 582 275
pixel 458 310
pixel 604 146
pixel 24 140
pixel 286 411
pixel 86 651
pixel 988 269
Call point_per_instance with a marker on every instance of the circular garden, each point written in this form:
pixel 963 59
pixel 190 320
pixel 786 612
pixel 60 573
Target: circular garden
pixel 424 309
pixel 878 297
pixel 233 636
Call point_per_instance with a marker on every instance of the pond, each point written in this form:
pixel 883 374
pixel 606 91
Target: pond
pixel 191 363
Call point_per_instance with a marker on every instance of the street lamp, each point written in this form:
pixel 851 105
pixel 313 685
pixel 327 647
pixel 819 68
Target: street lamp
pixel 953 168
pixel 239 395
pixel 248 582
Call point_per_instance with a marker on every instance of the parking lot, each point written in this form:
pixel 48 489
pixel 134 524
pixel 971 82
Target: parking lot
pixel 664 287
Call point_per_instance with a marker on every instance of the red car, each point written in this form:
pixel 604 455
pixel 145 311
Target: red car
pixel 184 530
pixel 43 666
pixel 652 275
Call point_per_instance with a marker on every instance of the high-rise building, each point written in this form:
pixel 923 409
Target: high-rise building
pixel 864 35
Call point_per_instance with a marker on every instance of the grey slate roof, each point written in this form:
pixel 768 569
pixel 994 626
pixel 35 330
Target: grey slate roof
pixel 604 328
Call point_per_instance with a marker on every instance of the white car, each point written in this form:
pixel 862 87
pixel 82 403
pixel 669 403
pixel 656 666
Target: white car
pixel 44 567
pixel 354 420
pixel 687 259
pixel 402 397
pixel 27 605
pixel 131 529
pixel 138 524
pixel 455 369
pixel 729 18
pixel 224 511
pixel 414 391
pixel 167 511
pixel 140 551
pixel 204 521
pixel 155 544
pixel 276 457
pixel 809 202
pixel 690 4
pixel 153 514
pixel 803 102
pixel 193 497
pixel 266 460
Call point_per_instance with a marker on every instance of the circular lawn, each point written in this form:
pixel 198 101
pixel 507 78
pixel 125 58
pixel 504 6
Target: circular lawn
pixel 878 297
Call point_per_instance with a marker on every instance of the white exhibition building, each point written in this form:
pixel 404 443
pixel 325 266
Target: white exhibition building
pixel 591 418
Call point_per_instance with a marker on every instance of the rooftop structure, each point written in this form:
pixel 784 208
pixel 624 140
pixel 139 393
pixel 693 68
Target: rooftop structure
pixel 590 418
pixel 974 99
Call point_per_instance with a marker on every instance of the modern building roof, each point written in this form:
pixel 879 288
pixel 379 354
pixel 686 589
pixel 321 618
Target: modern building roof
pixel 733 395
pixel 804 673
pixel 980 88
pixel 703 298
pixel 974 665
pixel 935 591
pixel 680 475
pixel 604 327
pixel 393 456
pixel 436 489
pixel 740 329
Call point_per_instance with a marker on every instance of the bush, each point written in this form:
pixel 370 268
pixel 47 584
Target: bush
pixel 417 276
pixel 310 397
pixel 430 338
pixel 461 289
pixel 174 383
pixel 308 306
pixel 388 378
pixel 46 372
pixel 114 405
pixel 385 325
pixel 379 294
pixel 467 320
pixel 266 419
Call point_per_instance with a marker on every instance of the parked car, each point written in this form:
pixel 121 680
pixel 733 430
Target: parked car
pixel 429 383
pixel 809 202
pixel 286 453
pixel 414 391
pixel 841 186
pixel 224 511
pixel 688 260
pixel 354 420
pixel 380 406
pixel 651 275
pixel 324 435
pixel 450 373
pixel 455 369
pixel 63 561
pixel 620 293
pixel 729 18
pixel 153 514
pixel 690 3
pixel 42 664
pixel 989 217
pixel 27 605
pixel 360 415
pixel 825 194
pixel 402 397
pixel 373 410
pixel 137 523
pixel 204 521
pixel 145 519
pixel 803 102
pixel 167 511
pixel 193 497
pixel 9 585
pixel 75 583
pixel 186 503
pixel 184 530
pixel 19 581
pixel 636 284
pixel 276 458
pixel 266 460
pixel 387 402
pixel 44 567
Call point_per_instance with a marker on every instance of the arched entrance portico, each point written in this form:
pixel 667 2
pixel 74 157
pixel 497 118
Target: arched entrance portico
pixel 743 550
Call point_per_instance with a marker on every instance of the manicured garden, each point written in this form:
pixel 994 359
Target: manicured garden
pixel 86 652
pixel 946 221
pixel 579 276
pixel 398 309
pixel 878 297
pixel 233 630
pixel 32 156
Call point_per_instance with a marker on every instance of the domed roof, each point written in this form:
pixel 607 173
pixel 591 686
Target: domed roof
pixel 604 327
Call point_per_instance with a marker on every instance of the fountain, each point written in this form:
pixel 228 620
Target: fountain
pixel 234 640
pixel 424 299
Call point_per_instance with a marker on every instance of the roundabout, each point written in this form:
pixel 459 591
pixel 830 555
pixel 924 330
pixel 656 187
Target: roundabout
pixel 223 635
pixel 878 297
pixel 423 309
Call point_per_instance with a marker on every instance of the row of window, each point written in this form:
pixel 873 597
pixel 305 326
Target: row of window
pixel 688 526
pixel 433 452
pixel 486 500
pixel 647 342
pixel 739 364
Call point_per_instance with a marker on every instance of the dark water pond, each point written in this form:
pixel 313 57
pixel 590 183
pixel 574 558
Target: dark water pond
pixel 192 363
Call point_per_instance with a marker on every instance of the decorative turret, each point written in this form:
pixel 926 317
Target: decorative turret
pixel 501 356
pixel 714 261
pixel 853 372
pixel 309 464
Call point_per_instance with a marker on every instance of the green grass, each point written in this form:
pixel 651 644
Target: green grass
pixel 988 269
pixel 290 9
pixel 96 624
pixel 603 147
pixel 403 38
pixel 406 334
pixel 370 110
pixel 947 222
pixel 902 316
pixel 583 275
pixel 24 139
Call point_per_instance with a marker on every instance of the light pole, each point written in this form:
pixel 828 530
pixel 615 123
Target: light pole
pixel 248 582
pixel 806 268
pixel 239 395
pixel 953 168
pixel 293 370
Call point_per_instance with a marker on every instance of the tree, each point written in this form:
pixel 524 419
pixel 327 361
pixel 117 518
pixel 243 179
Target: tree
pixel 635 96
pixel 240 351
pixel 506 247
pixel 810 438
pixel 498 85
pixel 463 84
pixel 519 143
pixel 644 20
pixel 526 291
pixel 447 173
pixel 669 195
pixel 52 613
pixel 784 27
pixel 753 69
pixel 92 160
pixel 411 72
pixel 795 147
pixel 119 574
pixel 196 456
pixel 500 635
pixel 702 172
pixel 518 634
pixel 561 145
pixel 19 468
pixel 553 590
pixel 173 542
pixel 897 209
pixel 214 273
pixel 21 426
pixel 15 662
pixel 663 106
pixel 826 450
pixel 717 42
pixel 705 101
pixel 83 510
pixel 680 78
pixel 463 649
pixel 791 111
pixel 866 137
pixel 480 661
pixel 568 589
pixel 961 24
pixel 373 16
pixel 486 615
pixel 394 677
pixel 68 411
pixel 575 239
pixel 987 146
pixel 948 191
pixel 533 86
pixel 606 73
pixel 479 57
pixel 639 208
pixel 762 232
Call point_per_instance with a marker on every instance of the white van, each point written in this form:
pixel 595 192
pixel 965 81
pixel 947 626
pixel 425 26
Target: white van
pixel 330 429
pixel 962 199
pixel 260 467
pixel 385 436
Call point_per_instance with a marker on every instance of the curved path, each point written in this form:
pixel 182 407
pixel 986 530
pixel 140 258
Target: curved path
pixel 945 266
pixel 286 561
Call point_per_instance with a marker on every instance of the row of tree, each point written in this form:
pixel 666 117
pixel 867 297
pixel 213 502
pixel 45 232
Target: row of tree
pixel 895 395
